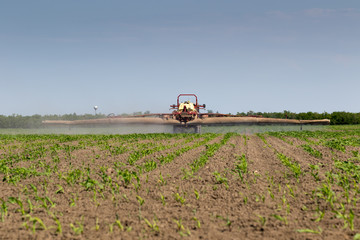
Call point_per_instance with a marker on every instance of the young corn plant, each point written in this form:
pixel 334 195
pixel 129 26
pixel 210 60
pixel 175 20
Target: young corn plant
pixel 197 221
pixel 262 220
pixel 78 228
pixel 280 218
pixel 17 201
pixel 181 229
pixel 60 189
pixel 241 167
pixel 293 166
pixel 163 200
pixel 228 223
pixel 312 151
pixel 97 226
pixel 118 224
pixel 220 179
pixel 4 210
pixel 161 180
pixel 31 206
pixel 58 223
pixel 140 200
pixel 187 173
pixel 315 172
pixel 307 230
pixel 348 218
pixel 153 226
pixel 179 224
pixel 73 200
pixel 37 223
pixel 320 214
pixel 179 198
pixel 197 194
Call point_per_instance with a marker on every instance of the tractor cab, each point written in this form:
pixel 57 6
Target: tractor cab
pixel 186 111
pixel 187 106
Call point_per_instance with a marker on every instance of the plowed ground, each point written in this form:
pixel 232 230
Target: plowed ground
pixel 58 187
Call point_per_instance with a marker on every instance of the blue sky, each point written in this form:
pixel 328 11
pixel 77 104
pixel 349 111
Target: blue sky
pixel 59 57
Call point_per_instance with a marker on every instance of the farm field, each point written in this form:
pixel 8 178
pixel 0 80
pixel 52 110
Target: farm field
pixel 283 185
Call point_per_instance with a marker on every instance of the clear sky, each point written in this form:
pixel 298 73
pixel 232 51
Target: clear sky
pixel 59 57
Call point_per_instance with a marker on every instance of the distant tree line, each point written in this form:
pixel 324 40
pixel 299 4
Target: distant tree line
pixel 35 121
pixel 336 118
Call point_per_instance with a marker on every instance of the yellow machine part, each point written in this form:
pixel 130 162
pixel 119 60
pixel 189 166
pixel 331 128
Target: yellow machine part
pixel 189 106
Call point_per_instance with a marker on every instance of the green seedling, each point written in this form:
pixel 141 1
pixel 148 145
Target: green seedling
pixel 306 230
pixel 140 200
pixel 179 198
pixel 245 200
pixel 58 223
pixel 153 226
pixel 35 222
pixel 97 226
pixel 163 200
pixel 271 193
pixel 227 220
pixel 187 173
pixel 197 194
pixel 241 167
pixel 31 206
pixel 220 178
pixel 357 236
pixel 137 186
pixel 179 224
pixel 34 189
pixel 186 233
pixel 4 210
pixel 161 180
pixel 262 220
pixel 280 218
pixel 181 229
pixel 79 229
pixel 320 215
pixel 73 200
pixel 314 172
pixel 198 223
pixel 347 218
pixel 118 223
pixel 17 201
pixel 312 151
pixel 292 193
pixel 293 166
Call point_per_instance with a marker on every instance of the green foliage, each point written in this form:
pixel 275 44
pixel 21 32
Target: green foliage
pixel 293 166
pixel 78 228
pixel 241 166
pixel 306 230
pixel 37 223
pixel 153 226
pixel 312 151
pixel 211 149
pixel 221 178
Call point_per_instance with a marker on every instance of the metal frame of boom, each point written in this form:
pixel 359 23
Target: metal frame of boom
pixel 186 128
